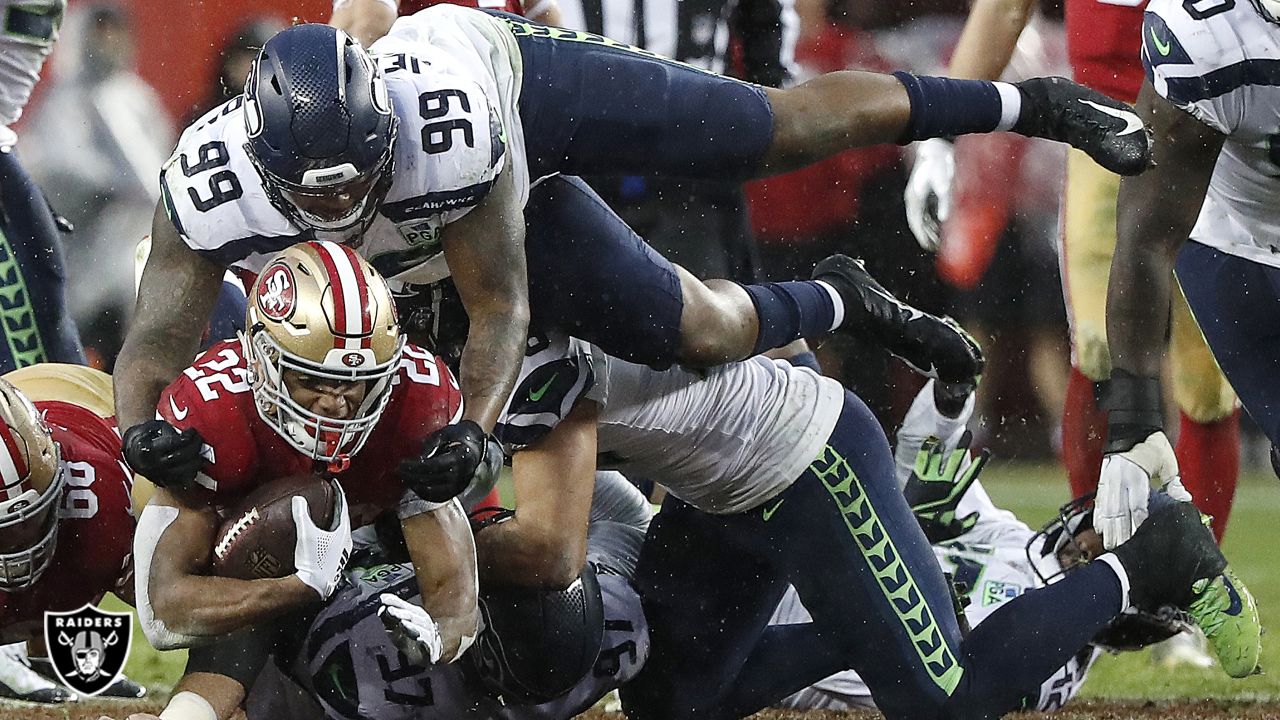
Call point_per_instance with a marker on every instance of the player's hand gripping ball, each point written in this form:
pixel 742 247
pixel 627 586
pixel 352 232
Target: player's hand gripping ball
pixel 292 526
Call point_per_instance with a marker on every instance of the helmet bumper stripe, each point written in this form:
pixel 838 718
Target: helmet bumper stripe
pixel 13 467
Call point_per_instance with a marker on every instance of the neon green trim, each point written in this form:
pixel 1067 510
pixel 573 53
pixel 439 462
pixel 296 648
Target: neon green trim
pixel 1162 48
pixel 17 317
pixel 886 564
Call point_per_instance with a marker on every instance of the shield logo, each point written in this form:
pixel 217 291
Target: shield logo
pixel 88 647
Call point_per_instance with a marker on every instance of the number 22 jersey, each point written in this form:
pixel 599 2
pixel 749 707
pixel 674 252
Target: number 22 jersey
pixel 453 76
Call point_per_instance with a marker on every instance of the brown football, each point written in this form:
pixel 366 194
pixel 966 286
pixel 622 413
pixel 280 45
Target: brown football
pixel 257 537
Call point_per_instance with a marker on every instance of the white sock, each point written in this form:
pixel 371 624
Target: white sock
pixel 1113 562
pixel 838 317
pixel 1010 105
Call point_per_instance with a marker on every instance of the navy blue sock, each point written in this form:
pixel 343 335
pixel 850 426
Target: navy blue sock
pixel 806 359
pixel 789 311
pixel 946 107
pixel 1020 645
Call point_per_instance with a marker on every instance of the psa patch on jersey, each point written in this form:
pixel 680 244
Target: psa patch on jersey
pixel 88 647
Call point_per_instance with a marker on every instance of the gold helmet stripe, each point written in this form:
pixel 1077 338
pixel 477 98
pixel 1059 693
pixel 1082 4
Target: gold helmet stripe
pixel 351 301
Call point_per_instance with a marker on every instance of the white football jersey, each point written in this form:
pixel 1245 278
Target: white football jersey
pixel 1217 60
pixel 453 75
pixel 990 561
pixel 28 29
pixel 724 440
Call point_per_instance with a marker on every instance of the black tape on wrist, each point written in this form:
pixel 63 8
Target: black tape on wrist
pixel 1134 406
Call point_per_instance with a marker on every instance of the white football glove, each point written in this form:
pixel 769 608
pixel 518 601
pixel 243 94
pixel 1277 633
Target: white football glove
pixel 411 629
pixel 320 555
pixel 1121 503
pixel 928 193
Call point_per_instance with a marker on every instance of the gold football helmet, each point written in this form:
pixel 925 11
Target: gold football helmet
pixel 319 309
pixel 31 482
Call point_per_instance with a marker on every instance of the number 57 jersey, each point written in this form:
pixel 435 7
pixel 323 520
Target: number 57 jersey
pixel 1215 60
pixel 453 81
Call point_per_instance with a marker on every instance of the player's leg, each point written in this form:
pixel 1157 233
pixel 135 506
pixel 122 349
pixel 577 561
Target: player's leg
pixel 706 599
pixel 37 326
pixel 868 576
pixel 1088 242
pixel 591 276
pixel 1235 302
pixel 666 118
pixel 1209 438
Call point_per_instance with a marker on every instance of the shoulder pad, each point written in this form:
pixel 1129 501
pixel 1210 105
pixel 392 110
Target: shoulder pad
pixel 557 372
pixel 214 196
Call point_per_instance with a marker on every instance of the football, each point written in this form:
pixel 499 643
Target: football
pixel 256 539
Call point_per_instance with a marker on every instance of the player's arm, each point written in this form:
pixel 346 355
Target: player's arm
pixel 364 20
pixel 546 12
pixel 545 544
pixel 1150 229
pixel 485 252
pixel 990 34
pixel 177 603
pixel 444 560
pixel 175 298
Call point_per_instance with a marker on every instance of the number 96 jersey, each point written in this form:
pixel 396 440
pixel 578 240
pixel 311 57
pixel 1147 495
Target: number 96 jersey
pixel 453 79
pixel 1212 59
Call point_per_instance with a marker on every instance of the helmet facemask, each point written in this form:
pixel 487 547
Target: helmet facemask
pixel 319 437
pixel 28 515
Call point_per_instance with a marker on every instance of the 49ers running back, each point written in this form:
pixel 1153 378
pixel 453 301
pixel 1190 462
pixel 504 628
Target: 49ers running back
pixel 323 382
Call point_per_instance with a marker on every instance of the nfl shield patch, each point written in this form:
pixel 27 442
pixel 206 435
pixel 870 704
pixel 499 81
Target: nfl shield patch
pixel 88 647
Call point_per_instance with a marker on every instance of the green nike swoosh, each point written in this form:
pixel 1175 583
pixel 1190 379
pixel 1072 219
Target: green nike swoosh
pixel 769 511
pixel 536 395
pixel 1162 48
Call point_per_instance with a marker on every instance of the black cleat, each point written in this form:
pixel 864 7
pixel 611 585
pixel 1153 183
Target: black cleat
pixel 933 346
pixel 1108 130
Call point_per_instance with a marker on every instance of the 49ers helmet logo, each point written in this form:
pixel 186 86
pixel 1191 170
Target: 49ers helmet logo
pixel 276 292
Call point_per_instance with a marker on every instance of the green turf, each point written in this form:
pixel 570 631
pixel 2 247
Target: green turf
pixel 1034 491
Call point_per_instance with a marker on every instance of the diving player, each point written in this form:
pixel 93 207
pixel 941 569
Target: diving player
pixel 66 515
pixel 1103 44
pixel 37 327
pixel 321 381
pixel 422 157
pixel 1210 211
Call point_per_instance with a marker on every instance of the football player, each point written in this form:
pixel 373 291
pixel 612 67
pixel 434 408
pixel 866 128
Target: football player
pixel 989 554
pixel 37 327
pixel 422 157
pixel 1210 212
pixel 66 516
pixel 1103 42
pixel 321 381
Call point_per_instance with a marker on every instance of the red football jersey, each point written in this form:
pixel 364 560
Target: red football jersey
pixel 95 525
pixel 243 452
pixel 409 7
pixel 1104 38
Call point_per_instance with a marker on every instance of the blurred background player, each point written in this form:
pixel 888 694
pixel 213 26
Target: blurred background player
pixel 37 325
pixel 1103 42
pixel 368 20
pixel 97 136
pixel 66 516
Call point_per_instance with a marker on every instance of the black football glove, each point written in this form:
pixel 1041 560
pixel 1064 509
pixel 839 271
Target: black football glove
pixel 168 457
pixel 938 483
pixel 453 458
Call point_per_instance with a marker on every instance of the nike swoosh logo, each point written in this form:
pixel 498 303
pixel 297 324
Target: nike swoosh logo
pixel 536 395
pixel 1162 47
pixel 1132 123
pixel 178 414
pixel 1236 604
pixel 769 511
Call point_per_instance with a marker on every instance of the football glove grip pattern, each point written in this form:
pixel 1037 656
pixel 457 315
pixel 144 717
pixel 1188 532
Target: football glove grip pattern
pixel 165 455
pixel 320 555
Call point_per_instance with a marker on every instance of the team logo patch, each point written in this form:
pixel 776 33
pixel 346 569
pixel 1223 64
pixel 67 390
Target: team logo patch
pixel 88 647
pixel 276 292
pixel 353 359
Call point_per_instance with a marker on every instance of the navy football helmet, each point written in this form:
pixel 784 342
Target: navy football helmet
pixel 320 126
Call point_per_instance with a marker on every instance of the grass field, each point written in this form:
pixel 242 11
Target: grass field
pixel 1123 687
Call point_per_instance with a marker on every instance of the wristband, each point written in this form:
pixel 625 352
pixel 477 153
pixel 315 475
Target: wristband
pixel 187 705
